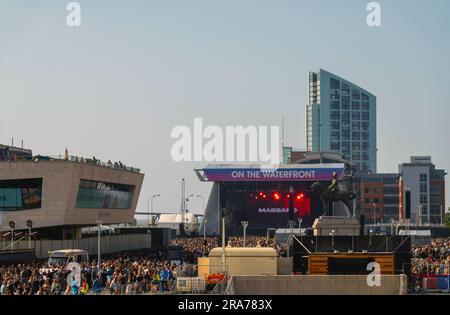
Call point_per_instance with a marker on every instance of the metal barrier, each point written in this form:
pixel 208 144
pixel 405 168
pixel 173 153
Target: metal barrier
pixel 195 279
pixel 109 244
pixel 437 283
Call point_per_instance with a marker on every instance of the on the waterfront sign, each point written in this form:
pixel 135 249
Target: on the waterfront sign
pixel 281 174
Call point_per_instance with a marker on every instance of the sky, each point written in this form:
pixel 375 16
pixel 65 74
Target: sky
pixel 116 86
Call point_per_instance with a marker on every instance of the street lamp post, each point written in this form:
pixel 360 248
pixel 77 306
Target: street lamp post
pixel 30 225
pixel 12 225
pixel 300 220
pixel 374 214
pixel 204 228
pixel 244 226
pixel 150 208
pixel 332 239
pixel 99 223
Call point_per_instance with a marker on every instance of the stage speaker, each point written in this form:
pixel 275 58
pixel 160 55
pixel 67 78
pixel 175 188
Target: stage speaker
pixel 361 223
pixel 407 204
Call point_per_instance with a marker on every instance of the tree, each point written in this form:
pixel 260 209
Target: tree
pixel 447 218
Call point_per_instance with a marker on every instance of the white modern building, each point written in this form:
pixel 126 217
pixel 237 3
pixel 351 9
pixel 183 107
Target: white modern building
pixel 427 187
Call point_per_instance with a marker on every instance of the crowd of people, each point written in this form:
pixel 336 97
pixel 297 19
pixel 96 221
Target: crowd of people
pixel 126 275
pixel 120 276
pixel 431 259
pixel 198 247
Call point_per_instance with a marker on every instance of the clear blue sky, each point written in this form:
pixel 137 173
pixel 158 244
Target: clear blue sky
pixel 115 87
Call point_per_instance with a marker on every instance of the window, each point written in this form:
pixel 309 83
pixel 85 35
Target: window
pixel 346 148
pixel 365 146
pixel 365 125
pixel 20 194
pixel 423 177
pixel 423 198
pixel 101 195
pixel 335 95
pixel 335 145
pixel 345 89
pixel 356 146
pixel 356 136
pixel 423 187
pixel 356 126
pixel 355 105
pixel 335 136
pixel 356 156
pixel 345 118
pixel 336 115
pixel 355 94
pixel 345 102
pixel 356 116
pixel 365 135
pixel 364 97
pixel 335 105
pixel 345 133
pixel 365 156
pixel 391 200
pixel 335 84
pixel 364 105
pixel 365 116
pixel 336 125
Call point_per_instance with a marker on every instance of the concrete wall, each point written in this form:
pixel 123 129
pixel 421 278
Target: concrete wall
pixel 59 192
pixel 315 285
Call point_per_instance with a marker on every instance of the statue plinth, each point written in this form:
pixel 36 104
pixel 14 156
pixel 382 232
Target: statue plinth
pixel 337 226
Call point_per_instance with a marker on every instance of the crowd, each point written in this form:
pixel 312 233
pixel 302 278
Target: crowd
pixel 125 275
pixel 120 276
pixel 198 247
pixel 431 259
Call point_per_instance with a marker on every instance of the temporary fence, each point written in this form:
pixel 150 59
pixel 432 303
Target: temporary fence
pixel 110 244
pixel 196 279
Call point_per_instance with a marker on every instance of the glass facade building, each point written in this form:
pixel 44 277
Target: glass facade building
pixel 341 117
pixel 101 195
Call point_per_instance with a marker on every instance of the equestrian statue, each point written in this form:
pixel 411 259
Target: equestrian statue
pixel 333 193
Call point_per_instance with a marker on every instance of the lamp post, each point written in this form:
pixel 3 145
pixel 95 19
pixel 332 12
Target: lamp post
pixel 291 217
pixel 30 225
pixel 204 228
pixel 374 214
pixel 12 225
pixel 300 220
pixel 370 237
pixel 244 226
pixel 223 214
pixel 99 224
pixel 150 207
pixel 332 239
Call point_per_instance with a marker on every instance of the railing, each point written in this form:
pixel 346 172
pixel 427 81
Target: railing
pixel 90 161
